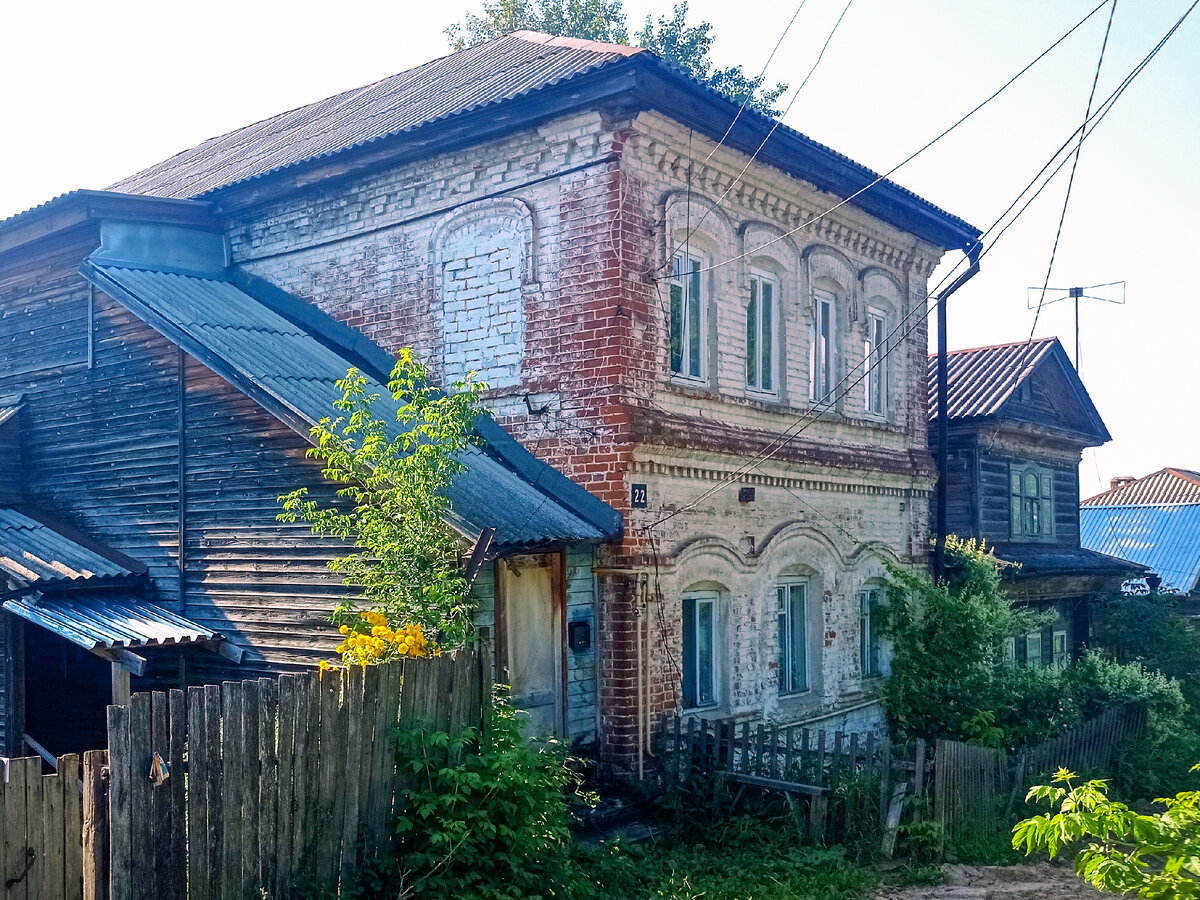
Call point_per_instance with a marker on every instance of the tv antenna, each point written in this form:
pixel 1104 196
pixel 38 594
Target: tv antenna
pixel 1111 292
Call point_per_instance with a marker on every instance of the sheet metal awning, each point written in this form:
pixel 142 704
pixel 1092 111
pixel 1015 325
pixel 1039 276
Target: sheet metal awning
pixel 33 552
pixel 103 622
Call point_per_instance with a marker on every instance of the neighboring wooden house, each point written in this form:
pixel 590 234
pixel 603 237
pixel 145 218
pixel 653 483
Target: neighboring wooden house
pixel 655 292
pixel 1154 521
pixel 1019 419
pixel 161 401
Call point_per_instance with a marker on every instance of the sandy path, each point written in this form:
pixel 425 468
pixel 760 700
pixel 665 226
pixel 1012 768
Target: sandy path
pixel 1043 881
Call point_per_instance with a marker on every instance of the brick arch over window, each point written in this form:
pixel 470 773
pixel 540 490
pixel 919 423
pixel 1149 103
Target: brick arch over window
pixel 483 266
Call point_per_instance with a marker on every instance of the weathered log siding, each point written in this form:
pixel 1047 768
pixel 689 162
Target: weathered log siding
pixel 245 570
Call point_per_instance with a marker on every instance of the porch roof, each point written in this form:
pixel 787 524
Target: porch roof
pixel 108 622
pixel 34 551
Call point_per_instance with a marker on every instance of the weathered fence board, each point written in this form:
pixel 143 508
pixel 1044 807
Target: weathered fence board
pixel 268 784
pixel 41 846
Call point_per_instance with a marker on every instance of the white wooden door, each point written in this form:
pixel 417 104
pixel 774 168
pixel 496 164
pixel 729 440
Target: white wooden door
pixel 533 640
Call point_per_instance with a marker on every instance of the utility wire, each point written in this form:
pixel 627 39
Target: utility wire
pixel 915 153
pixel 778 122
pixel 806 420
pixel 1067 197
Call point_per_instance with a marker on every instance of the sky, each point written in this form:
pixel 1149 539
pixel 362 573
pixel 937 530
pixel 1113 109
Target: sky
pixel 93 92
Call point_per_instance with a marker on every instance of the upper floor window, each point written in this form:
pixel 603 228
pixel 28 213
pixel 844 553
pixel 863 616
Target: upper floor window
pixel 688 325
pixel 870 636
pixel 760 325
pixel 1031 501
pixel 822 344
pixel 699 648
pixel 791 601
pixel 875 362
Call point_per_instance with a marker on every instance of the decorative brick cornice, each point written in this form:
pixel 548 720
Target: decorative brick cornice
pixel 774 202
pixel 694 471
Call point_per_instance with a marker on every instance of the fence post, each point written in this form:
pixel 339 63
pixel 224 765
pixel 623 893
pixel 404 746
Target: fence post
pixel 95 825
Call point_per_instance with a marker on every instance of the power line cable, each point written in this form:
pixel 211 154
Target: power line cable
pixel 804 421
pixel 915 153
pixel 775 126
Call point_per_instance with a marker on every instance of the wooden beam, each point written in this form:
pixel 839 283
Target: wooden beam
pixel 224 648
pixel 120 685
pixel 41 751
pixel 122 657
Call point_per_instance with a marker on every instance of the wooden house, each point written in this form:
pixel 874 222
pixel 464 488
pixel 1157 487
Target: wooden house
pixel 157 403
pixel 1019 419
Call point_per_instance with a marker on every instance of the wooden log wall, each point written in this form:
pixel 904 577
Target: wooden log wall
pixel 290 783
pixel 41 849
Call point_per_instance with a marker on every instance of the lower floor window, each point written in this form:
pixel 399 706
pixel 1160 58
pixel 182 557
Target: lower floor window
pixel 869 638
pixel 1033 649
pixel 699 644
pixel 791 601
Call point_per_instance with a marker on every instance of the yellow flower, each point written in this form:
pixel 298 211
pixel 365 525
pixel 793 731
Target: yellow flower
pixel 345 629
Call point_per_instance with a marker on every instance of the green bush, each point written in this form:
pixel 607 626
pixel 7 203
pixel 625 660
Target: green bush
pixel 496 824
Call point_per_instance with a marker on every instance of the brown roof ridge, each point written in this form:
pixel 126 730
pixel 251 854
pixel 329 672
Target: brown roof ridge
pixel 554 40
pixel 1032 343
pixel 1112 496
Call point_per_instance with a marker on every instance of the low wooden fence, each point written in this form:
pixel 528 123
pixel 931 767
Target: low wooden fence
pixel 41 852
pixel 839 784
pixel 974 783
pixel 845 785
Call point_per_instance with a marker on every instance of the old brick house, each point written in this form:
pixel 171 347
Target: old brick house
pixel 653 314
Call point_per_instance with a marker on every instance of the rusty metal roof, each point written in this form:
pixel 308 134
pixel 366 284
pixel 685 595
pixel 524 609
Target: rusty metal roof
pixel 1169 485
pixel 32 552
pixel 101 621
pixel 1165 538
pixel 980 380
pixel 477 77
pixel 293 372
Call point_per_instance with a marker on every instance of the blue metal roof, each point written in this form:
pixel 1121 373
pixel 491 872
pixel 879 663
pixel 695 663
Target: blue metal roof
pixel 1165 538
pixel 32 552
pixel 101 621
pixel 292 371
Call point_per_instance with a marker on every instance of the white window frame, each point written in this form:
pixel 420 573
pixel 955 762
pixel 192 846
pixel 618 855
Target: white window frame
pixel 875 382
pixel 823 349
pixel 690 668
pixel 686 319
pixel 1060 656
pixel 870 664
pixel 760 281
pixel 1008 651
pixel 1031 510
pixel 787 633
pixel 1034 660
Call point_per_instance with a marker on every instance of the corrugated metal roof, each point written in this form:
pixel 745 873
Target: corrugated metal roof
pixel 8 409
pixel 100 621
pixel 476 77
pixel 34 553
pixel 297 370
pixel 980 380
pixel 1038 559
pixel 1168 485
pixel 1165 538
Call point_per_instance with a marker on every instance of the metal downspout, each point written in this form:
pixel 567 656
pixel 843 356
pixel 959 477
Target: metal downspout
pixel 939 547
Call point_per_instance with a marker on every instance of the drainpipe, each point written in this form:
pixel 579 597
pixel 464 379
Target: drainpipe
pixel 639 613
pixel 939 547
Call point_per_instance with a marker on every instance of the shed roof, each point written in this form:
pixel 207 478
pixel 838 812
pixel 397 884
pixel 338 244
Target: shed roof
pixel 1169 485
pixel 1040 559
pixel 104 621
pixel 9 407
pixel 1165 538
pixel 535 76
pixel 292 370
pixel 34 552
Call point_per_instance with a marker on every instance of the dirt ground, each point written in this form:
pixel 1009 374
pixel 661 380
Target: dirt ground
pixel 1044 881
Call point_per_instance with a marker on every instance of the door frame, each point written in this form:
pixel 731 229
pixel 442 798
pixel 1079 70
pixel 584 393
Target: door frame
pixel 558 589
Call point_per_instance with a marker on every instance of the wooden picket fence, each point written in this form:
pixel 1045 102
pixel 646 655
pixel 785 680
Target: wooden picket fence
pixel 41 853
pixel 839 784
pixel 973 785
